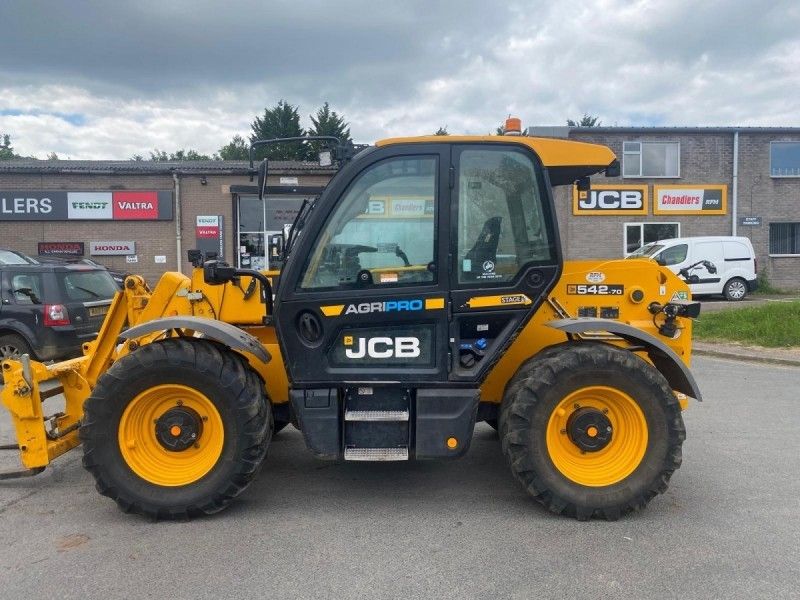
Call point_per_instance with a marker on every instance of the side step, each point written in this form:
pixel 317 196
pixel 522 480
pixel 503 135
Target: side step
pixel 376 415
pixel 370 454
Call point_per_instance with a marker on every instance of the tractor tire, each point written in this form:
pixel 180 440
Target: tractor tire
pixel 735 290
pixel 13 346
pixel 591 430
pixel 176 429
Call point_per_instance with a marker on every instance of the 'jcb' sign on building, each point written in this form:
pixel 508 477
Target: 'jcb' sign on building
pixel 610 200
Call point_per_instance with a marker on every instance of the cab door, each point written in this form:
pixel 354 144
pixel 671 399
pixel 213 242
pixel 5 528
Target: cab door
pixel 506 253
pixel 364 294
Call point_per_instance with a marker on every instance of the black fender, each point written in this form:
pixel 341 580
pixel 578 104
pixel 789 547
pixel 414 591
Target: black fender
pixel 225 333
pixel 664 358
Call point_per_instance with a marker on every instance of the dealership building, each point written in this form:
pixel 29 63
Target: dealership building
pixel 142 216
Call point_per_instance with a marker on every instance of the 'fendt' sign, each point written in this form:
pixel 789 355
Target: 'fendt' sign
pixel 118 205
pixel 610 200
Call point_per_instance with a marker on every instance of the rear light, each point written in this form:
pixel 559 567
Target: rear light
pixel 55 314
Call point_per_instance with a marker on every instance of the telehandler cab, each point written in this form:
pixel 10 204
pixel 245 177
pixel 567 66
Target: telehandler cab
pixel 423 291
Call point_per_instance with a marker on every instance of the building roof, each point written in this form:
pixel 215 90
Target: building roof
pixel 565 130
pixel 147 167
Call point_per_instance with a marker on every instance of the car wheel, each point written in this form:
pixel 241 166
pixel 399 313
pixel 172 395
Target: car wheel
pixel 735 289
pixel 13 346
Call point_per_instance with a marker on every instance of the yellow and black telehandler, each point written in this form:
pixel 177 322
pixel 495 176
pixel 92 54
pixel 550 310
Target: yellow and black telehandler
pixel 424 291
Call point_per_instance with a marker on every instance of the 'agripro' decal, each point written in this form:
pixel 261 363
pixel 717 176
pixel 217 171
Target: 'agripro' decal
pixel 385 306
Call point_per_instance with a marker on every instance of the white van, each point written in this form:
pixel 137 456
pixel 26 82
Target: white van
pixel 732 258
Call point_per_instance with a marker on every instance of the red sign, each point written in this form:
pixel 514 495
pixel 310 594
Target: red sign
pixel 60 248
pixel 207 232
pixel 131 206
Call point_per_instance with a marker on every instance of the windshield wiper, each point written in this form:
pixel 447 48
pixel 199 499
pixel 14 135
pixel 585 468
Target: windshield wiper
pixel 87 290
pixel 29 293
pixel 299 222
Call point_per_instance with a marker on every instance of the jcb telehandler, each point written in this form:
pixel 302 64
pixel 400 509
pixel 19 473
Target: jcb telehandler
pixel 423 291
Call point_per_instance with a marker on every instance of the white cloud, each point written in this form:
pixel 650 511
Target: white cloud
pixel 405 71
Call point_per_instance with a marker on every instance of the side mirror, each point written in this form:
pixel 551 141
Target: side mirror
pixel 262 179
pixel 325 158
pixel 584 184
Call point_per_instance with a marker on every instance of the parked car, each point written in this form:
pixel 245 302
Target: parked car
pixel 716 264
pixel 50 310
pixel 12 257
pixel 117 276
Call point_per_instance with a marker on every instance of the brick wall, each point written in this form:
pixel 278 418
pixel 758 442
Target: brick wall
pixel 153 238
pixel 705 158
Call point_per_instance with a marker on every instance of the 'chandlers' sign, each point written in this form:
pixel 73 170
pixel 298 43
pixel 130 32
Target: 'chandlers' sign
pixel 690 199
pixel 86 206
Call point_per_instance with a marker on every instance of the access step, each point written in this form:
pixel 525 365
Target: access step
pixel 376 415
pixel 376 454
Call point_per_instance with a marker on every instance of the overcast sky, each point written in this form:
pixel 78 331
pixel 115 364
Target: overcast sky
pixel 98 79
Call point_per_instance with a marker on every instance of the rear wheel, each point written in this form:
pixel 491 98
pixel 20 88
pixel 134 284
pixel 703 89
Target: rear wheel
pixel 591 430
pixel 735 289
pixel 176 429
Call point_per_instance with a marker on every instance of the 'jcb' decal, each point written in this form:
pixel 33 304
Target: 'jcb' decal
pixel 507 300
pixel 382 347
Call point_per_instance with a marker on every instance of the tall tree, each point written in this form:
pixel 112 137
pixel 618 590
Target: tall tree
pixel 280 121
pixel 178 155
pixel 6 150
pixel 586 120
pixel 442 131
pixel 327 122
pixel 236 149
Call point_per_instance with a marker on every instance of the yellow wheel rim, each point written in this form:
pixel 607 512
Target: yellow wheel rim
pixel 622 454
pixel 148 457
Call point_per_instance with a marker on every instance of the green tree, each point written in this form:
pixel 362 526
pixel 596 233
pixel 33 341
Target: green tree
pixel 236 149
pixel 327 122
pixel 586 120
pixel 280 121
pixel 52 156
pixel 178 155
pixel 442 131
pixel 6 150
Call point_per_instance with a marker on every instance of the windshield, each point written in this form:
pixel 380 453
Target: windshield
pixel 9 257
pixel 647 250
pixel 86 286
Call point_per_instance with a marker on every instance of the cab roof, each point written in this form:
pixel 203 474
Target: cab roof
pixel 566 160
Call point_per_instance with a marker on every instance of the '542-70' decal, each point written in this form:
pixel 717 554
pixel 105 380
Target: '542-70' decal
pixel 595 289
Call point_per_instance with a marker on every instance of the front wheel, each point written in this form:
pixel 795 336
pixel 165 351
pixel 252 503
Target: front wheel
pixel 591 430
pixel 735 289
pixel 176 429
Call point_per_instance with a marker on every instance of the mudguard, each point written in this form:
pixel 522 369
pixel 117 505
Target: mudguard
pixel 664 358
pixel 222 332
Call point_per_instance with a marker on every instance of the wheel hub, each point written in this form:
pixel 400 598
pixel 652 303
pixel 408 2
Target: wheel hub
pixel 178 429
pixel 589 429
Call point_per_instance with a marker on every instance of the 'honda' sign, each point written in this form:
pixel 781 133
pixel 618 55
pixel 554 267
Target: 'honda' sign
pixel 610 200
pixel 112 248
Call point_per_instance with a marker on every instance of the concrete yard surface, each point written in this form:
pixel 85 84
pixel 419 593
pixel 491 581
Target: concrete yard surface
pixel 728 527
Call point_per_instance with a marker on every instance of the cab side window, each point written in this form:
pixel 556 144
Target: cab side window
pixel 382 232
pixel 674 255
pixel 501 221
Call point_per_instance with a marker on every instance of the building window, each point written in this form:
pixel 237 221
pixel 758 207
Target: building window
pixel 784 239
pixel 651 159
pixel 639 234
pixel 784 159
